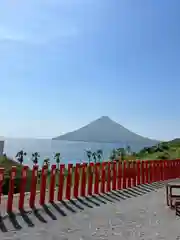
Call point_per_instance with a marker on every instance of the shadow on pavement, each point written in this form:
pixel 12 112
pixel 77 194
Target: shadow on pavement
pixel 106 198
pixel 141 189
pixel 116 194
pixel 26 218
pixel 84 202
pixel 68 207
pixel 97 198
pixel 89 199
pixel 12 218
pixel 2 225
pixel 59 210
pixel 38 215
pixel 48 212
pixel 130 192
pixel 114 198
pixel 74 203
pixel 124 193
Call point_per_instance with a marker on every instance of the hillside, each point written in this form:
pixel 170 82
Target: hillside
pixel 163 150
pixel 106 130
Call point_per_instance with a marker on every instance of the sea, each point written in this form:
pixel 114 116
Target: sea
pixel 71 152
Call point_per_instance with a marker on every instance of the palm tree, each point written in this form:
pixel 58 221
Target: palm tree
pixel 128 149
pixel 99 154
pixel 121 153
pixel 46 162
pixel 94 156
pixel 35 157
pixel 20 156
pixel 57 157
pixel 89 155
pixel 114 154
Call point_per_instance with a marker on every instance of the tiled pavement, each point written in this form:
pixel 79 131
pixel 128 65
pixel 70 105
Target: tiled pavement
pixel 138 217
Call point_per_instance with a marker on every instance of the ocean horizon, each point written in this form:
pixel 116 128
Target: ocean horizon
pixel 71 151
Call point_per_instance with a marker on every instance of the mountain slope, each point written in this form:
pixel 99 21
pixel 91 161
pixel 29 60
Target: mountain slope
pixel 105 130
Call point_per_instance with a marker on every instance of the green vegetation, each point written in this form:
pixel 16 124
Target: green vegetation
pixel 7 164
pixel 163 150
pixel 94 156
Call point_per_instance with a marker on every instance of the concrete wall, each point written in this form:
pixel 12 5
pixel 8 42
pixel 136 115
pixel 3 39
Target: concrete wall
pixel 1 147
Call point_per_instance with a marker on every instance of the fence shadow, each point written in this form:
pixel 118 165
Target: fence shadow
pixel 138 192
pixel 2 225
pixel 130 192
pixel 13 220
pixel 84 202
pixel 89 199
pixel 58 209
pixel 37 214
pixel 98 199
pixel 124 193
pixel 68 207
pixel 149 187
pixel 143 189
pixel 106 198
pixel 26 218
pixel 113 196
pixel 74 202
pixel 118 195
pixel 49 212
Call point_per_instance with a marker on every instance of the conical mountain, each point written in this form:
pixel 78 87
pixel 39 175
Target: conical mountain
pixel 107 131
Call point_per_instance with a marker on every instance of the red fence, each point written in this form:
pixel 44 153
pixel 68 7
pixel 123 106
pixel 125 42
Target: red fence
pixel 85 180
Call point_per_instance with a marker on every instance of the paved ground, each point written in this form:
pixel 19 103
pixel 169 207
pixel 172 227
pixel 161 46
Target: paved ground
pixel 144 217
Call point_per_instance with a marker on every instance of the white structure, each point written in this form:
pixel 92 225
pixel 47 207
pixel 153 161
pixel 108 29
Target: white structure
pixel 1 147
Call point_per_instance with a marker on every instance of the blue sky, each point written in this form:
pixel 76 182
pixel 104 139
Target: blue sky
pixel 64 63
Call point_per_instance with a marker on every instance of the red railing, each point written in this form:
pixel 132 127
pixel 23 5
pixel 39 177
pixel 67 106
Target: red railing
pixel 84 180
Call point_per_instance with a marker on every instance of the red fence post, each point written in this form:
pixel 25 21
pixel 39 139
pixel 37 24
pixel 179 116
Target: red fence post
pixel 150 171
pixel 43 185
pixel 119 175
pixel 103 176
pixel 142 172
pixel 61 182
pixel 69 181
pixel 174 169
pixel 138 172
pixel 133 173
pixel 11 189
pixel 163 169
pixel 154 170
pixel 170 169
pixel 167 169
pixel 23 187
pixel 83 179
pixel 178 168
pixel 114 180
pixel 108 186
pixel 147 171
pixel 52 183
pixel 1 182
pixel 158 171
pixel 124 174
pixel 33 186
pixel 90 178
pixel 76 180
pixel 96 184
pixel 128 174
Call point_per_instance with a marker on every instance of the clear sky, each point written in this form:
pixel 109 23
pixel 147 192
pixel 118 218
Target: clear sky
pixel 64 63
